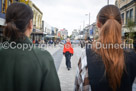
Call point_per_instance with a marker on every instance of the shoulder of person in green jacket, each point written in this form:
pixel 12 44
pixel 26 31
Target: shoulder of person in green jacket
pixel 50 80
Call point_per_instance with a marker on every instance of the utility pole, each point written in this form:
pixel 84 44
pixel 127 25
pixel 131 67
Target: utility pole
pixel 89 24
pixel 108 2
pixel 83 24
pixel 89 18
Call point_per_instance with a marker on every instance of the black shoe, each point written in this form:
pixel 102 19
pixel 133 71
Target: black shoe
pixel 68 68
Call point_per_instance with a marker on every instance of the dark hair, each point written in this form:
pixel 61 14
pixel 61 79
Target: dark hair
pixel 18 18
pixel 110 33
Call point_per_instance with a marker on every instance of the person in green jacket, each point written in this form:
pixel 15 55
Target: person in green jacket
pixel 23 67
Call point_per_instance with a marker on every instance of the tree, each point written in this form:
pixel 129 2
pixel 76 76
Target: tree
pixel 130 26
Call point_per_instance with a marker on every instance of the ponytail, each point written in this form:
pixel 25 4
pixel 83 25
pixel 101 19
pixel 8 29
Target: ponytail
pixel 113 58
pixel 111 31
pixel 11 32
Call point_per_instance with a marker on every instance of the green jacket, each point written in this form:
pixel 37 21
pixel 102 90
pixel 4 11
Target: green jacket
pixel 27 70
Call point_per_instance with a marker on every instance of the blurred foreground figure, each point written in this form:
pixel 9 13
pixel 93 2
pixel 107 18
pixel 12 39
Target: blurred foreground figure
pixel 24 70
pixel 111 68
pixel 68 52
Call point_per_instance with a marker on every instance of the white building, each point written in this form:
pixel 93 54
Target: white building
pixel 48 28
pixel 64 33
pixel 74 34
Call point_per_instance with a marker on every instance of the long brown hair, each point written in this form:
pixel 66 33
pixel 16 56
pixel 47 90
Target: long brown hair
pixel 110 33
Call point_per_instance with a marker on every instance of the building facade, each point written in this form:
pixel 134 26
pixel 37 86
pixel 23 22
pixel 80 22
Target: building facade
pixel 37 20
pixel 3 7
pixel 74 34
pixel 63 33
pixel 48 28
pixel 128 12
pixel 38 29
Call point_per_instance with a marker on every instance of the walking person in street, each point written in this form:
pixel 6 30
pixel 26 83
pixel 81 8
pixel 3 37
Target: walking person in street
pixel 82 43
pixel 37 43
pixel 68 52
pixel 111 68
pixel 24 70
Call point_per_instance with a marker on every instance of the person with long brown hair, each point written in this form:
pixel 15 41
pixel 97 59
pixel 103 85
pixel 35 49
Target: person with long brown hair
pixel 106 66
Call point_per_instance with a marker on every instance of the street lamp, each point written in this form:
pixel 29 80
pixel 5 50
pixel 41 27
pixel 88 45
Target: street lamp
pixel 89 17
pixel 89 22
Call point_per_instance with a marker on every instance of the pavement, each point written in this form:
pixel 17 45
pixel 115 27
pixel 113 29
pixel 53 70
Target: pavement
pixel 52 49
pixel 134 86
pixel 66 77
pixel 57 54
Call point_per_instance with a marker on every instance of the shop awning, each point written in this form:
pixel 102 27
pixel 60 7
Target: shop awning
pixel 2 21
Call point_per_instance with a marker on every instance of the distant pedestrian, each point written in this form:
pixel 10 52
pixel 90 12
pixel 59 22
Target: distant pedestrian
pixel 37 43
pixel 45 41
pixel 107 68
pixel 82 43
pixel 68 52
pixel 55 42
pixel 24 70
pixel 88 41
pixel 33 41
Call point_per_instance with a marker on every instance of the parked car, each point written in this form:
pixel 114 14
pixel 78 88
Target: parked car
pixel 63 42
pixel 75 42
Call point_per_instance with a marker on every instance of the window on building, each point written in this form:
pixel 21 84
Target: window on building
pixel 3 6
pixel 122 1
pixel 10 2
pixel 131 14
pixel 127 16
pixel 122 15
pixel 16 0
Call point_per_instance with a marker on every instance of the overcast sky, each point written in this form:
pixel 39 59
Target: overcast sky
pixel 70 14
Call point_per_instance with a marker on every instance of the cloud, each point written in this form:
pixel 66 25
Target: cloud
pixel 69 14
